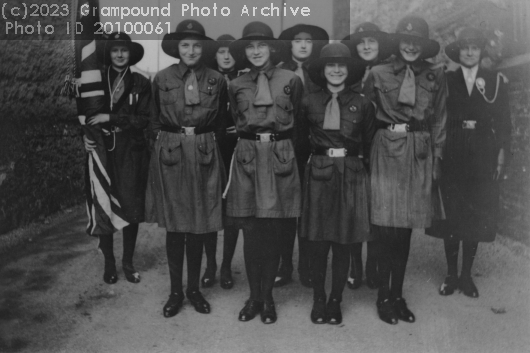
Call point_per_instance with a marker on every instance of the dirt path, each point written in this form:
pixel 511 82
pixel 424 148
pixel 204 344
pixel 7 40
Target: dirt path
pixel 53 299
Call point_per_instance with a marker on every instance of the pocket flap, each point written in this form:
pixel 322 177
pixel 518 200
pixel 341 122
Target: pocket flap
pixel 395 136
pixel 206 146
pixel 244 155
pixel 354 164
pixel 242 106
pixel 284 103
pixel 387 86
pixel 321 162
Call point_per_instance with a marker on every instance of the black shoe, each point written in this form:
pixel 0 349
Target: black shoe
pixel 199 303
pixel 227 282
pixel 354 282
pixel 173 305
pixel 130 273
pixel 386 312
pixel 468 287
pixel 268 314
pixel 318 313
pixel 372 281
pixel 110 276
pixel 305 279
pixel 449 286
pixel 250 310
pixel 334 315
pixel 402 311
pixel 208 279
pixel 283 277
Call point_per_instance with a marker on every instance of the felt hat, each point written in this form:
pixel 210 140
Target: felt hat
pixel 415 28
pixel 336 53
pixel 256 31
pixel 468 35
pixel 319 36
pixel 188 29
pixel 369 29
pixel 223 41
pixel 136 50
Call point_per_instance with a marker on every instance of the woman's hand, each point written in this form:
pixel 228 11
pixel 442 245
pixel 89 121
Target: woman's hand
pixel 89 144
pixel 98 119
pixel 497 174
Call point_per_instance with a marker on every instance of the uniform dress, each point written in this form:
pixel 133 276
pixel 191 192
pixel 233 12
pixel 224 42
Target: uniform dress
pixel 401 162
pixel 470 195
pixel 186 174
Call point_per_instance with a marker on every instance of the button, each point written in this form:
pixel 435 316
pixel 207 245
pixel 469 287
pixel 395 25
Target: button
pixel 190 88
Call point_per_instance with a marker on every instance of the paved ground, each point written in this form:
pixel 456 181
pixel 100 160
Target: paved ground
pixel 53 299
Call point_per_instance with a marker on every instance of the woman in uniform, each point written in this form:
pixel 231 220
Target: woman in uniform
pixel 335 202
pixel 410 96
pixel 305 43
pixel 264 186
pixel 478 136
pixel 128 98
pixel 186 173
pixel 370 45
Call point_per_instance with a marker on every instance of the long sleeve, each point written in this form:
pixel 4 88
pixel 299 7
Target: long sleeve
pixel 136 114
pixel 369 126
pixel 502 123
pixel 438 125
pixel 222 115
pixel 154 116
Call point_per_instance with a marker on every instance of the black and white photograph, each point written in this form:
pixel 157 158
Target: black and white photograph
pixel 237 176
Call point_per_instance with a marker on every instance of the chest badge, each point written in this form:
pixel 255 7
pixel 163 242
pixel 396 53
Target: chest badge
pixel 287 89
pixel 430 76
pixel 481 84
pixel 353 108
pixel 212 81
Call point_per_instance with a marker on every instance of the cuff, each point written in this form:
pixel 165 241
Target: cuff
pixel 438 152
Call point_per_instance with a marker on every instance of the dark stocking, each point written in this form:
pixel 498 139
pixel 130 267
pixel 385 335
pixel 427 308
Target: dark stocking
pixel 339 266
pixel 194 245
pixel 229 246
pixel 451 254
pixel 175 243
pixel 210 248
pixel 469 250
pixel 319 263
pixel 356 251
pixel 371 259
pixel 130 234
pixel 106 244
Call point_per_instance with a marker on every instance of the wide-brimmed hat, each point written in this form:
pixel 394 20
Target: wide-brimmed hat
pixel 256 31
pixel 319 36
pixel 224 40
pixel 468 35
pixel 136 50
pixel 187 29
pixel 336 53
pixel 369 29
pixel 415 28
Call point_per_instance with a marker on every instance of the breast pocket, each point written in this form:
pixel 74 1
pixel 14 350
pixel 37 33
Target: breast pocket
pixel 388 90
pixel 351 123
pixel 421 145
pixel 424 95
pixel 171 152
pixel 168 93
pixel 284 110
pixel 283 158
pixel 321 168
pixel 209 97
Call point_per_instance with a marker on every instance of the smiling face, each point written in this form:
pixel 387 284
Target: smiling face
pixel 368 48
pixel 119 56
pixel 190 51
pixel 258 53
pixel 335 74
pixel 225 61
pixel 302 46
pixel 470 55
pixel 410 50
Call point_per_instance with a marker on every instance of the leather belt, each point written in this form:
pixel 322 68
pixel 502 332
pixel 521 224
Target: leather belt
pixel 267 137
pixel 187 130
pixel 331 152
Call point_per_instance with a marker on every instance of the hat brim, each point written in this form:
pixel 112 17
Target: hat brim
pixel 319 36
pixel 136 51
pixel 385 43
pixel 430 47
pixel 237 48
pixel 452 50
pixel 171 41
pixel 356 69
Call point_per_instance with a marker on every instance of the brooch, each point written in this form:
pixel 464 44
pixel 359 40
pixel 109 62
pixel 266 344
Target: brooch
pixel 353 108
pixel 430 76
pixel 212 81
pixel 481 84
pixel 287 89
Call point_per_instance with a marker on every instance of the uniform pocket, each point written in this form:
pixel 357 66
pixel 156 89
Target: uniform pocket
pixel 424 96
pixel 394 143
pixel 283 159
pixel 245 158
pixel 205 150
pixel 354 164
pixel 321 168
pixel 421 145
pixel 171 153
pixel 168 93
pixel 284 110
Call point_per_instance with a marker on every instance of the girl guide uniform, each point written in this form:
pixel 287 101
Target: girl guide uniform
pixel 128 99
pixel 371 46
pixel 264 185
pixel 410 96
pixel 186 173
pixel 335 213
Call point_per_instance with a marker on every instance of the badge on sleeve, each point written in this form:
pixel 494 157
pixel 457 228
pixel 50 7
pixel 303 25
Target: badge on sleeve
pixel 353 108
pixel 430 76
pixel 212 81
pixel 287 89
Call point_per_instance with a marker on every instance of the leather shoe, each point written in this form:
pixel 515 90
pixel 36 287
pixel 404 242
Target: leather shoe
pixel 110 276
pixel 449 286
pixel 402 311
pixel 208 279
pixel 334 315
pixel 354 282
pixel 386 312
pixel 250 310
pixel 199 303
pixel 468 287
pixel 130 273
pixel 173 305
pixel 318 313
pixel 268 314
pixel 227 282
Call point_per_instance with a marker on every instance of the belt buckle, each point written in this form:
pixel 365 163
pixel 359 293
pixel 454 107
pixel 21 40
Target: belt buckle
pixel 266 137
pixel 337 152
pixel 189 130
pixel 469 124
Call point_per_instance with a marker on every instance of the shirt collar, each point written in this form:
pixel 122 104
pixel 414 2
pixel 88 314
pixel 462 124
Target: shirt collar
pixel 470 72
pixel 269 70
pixel 400 65
pixel 183 70
pixel 342 96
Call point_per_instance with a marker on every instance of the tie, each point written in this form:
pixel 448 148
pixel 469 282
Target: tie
pixel 469 82
pixel 366 72
pixel 407 92
pixel 191 91
pixel 332 117
pixel 117 88
pixel 227 79
pixel 300 72
pixel 263 93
